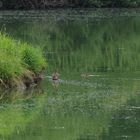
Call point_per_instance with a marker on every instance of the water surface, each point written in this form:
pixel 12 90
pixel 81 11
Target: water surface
pixel 105 106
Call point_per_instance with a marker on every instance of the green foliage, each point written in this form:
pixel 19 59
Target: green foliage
pixel 32 57
pixel 10 67
pixel 17 58
pixel 10 62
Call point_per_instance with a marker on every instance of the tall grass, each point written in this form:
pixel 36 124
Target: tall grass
pixel 17 59
pixel 32 58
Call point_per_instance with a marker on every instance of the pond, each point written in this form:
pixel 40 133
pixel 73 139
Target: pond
pixel 96 52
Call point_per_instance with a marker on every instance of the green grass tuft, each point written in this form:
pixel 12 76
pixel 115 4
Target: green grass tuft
pixel 17 58
pixel 32 58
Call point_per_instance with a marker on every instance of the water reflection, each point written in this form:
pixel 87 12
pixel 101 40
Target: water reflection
pixel 17 109
pixel 77 113
pixel 104 45
pixel 125 122
pixel 83 107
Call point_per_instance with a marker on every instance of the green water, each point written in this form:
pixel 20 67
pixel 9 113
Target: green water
pixel 105 106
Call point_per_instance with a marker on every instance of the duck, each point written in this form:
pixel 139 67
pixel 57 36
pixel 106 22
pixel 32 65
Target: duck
pixel 85 75
pixel 55 76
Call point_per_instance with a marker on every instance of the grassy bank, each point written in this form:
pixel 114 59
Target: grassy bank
pixel 34 4
pixel 20 63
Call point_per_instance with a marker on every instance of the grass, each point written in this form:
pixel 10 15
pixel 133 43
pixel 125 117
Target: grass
pixel 18 60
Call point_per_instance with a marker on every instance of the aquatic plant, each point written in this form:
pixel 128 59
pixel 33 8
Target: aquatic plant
pixel 18 60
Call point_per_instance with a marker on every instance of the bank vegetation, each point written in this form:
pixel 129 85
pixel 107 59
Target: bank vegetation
pixel 20 64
